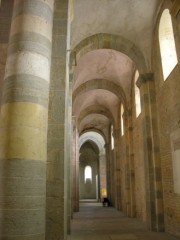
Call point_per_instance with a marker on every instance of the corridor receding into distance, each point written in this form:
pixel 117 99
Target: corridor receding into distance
pixel 89 120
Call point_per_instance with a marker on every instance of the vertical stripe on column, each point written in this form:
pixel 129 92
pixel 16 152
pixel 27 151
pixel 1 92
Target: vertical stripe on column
pixel 23 121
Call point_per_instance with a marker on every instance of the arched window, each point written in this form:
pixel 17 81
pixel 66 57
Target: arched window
pixel 112 137
pixel 88 174
pixel 122 120
pixel 137 95
pixel 167 44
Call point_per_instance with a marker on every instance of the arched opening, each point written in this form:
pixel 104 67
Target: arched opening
pixel 89 171
pixel 88 174
pixel 167 44
pixel 122 120
pixel 112 137
pixel 137 95
pixel 92 167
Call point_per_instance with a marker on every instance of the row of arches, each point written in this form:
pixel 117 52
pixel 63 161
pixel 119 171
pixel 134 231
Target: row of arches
pixel 128 97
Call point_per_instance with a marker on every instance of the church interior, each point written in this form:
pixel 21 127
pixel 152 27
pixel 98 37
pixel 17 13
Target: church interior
pixel 90 114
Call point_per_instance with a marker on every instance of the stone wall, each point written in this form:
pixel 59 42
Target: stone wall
pixel 168 103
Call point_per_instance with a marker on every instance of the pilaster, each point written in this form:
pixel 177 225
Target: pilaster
pixel 108 170
pixel 57 210
pixel 154 193
pixel 75 166
pixel 117 133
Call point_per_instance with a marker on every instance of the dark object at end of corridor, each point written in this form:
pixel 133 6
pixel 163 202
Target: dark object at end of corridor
pixel 106 202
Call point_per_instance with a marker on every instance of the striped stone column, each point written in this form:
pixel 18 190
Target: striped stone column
pixel 23 121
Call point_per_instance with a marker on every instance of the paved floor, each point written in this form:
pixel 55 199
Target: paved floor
pixel 95 222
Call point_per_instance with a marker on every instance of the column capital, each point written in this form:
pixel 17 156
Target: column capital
pixel 144 78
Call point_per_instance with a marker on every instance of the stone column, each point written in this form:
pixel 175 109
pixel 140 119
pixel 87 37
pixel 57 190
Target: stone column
pixel 58 158
pixel 112 176
pixel 77 174
pixel 154 193
pixel 23 121
pixel 127 165
pixel 130 164
pixel 115 151
pixel 75 167
pixel 108 172
pixel 102 173
pixel 117 133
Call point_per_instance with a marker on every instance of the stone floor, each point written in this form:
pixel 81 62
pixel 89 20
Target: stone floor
pixel 95 222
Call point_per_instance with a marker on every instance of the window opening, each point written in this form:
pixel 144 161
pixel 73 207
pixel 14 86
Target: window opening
pixel 112 137
pixel 88 174
pixel 167 44
pixel 122 120
pixel 137 96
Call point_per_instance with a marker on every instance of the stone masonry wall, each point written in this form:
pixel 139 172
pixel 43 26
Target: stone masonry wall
pixel 168 103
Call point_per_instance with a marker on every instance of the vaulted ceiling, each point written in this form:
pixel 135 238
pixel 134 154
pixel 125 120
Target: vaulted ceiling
pixel 102 77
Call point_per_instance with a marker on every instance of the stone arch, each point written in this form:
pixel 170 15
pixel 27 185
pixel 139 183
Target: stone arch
pixel 93 144
pixel 99 109
pixel 93 136
pixel 101 84
pixel 109 41
pixel 94 130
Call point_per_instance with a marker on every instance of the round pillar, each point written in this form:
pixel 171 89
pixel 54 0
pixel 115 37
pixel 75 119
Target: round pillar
pixel 23 121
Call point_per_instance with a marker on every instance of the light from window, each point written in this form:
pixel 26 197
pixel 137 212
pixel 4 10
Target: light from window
pixel 112 137
pixel 88 174
pixel 167 44
pixel 122 120
pixel 137 96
